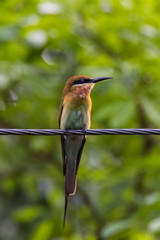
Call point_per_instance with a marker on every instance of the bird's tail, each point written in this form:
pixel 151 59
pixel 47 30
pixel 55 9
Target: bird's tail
pixel 70 181
pixel 70 188
pixel 65 210
pixel 73 150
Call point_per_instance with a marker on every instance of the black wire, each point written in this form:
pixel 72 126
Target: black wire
pixel 140 131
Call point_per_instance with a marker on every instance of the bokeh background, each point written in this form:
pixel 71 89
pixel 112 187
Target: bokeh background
pixel 42 44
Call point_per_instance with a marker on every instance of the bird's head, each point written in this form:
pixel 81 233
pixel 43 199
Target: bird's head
pixel 80 83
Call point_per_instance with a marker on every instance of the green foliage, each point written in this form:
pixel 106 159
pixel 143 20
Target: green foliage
pixel 43 43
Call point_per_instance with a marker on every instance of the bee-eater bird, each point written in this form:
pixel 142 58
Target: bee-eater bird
pixel 75 111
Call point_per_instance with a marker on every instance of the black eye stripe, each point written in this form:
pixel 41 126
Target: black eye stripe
pixel 81 81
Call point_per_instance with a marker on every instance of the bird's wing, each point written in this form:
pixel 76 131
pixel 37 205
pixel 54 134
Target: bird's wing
pixel 60 112
pixel 62 138
pixel 80 153
pixel 63 154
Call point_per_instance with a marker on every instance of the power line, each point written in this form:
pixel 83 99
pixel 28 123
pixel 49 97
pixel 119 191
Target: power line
pixel 52 132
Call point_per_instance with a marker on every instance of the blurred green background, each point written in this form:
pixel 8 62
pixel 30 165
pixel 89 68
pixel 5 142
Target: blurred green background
pixel 42 44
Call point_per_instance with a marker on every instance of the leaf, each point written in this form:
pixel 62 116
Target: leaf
pixel 43 231
pixel 25 214
pixel 115 228
pixel 151 111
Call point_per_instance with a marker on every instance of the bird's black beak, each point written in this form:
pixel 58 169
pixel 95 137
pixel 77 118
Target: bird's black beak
pixel 95 80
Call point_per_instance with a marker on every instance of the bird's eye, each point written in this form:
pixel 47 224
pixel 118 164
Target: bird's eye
pixel 81 81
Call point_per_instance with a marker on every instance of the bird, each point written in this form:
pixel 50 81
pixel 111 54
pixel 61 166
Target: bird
pixel 75 113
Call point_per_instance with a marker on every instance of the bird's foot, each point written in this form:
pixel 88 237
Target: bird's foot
pixel 84 131
pixel 66 132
